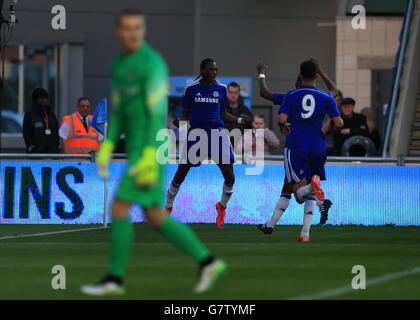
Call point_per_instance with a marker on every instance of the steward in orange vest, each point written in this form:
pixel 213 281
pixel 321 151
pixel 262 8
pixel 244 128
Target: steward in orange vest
pixel 79 140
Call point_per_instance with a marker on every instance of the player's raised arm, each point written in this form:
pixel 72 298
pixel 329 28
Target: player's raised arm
pixel 330 85
pixel 264 91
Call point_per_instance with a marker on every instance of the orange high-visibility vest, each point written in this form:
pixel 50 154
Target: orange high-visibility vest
pixel 79 141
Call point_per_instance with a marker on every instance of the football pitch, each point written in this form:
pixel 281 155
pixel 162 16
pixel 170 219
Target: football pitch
pixel 259 266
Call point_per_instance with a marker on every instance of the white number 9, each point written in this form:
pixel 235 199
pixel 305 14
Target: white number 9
pixel 308 108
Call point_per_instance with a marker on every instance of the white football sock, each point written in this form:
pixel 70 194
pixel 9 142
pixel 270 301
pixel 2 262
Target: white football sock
pixel 281 206
pixel 303 193
pixel 172 192
pixel 310 206
pixel 227 193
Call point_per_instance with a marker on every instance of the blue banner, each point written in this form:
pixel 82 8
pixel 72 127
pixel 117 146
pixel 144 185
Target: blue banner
pixel 50 192
pixel 73 193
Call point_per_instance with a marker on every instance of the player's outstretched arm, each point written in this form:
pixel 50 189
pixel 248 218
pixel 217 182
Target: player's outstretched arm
pixel 227 117
pixel 330 85
pixel 264 91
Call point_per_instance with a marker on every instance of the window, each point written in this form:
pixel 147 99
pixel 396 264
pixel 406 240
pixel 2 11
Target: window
pixel 26 68
pixel 9 125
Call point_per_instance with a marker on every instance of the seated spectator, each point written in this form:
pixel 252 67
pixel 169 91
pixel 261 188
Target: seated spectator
pixel 250 137
pixel 354 124
pixel 236 108
pixel 40 125
pixel 374 134
pixel 77 136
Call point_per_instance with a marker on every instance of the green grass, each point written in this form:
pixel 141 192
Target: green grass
pixel 259 266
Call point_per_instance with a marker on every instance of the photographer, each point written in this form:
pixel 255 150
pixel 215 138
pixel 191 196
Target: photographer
pixel 40 125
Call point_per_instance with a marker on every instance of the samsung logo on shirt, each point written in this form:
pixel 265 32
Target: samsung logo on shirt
pixel 206 100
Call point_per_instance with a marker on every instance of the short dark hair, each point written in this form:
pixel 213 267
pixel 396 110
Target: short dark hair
pixel 308 70
pixel 338 93
pixel 128 12
pixel 259 115
pixel 39 93
pixel 83 98
pixel 234 84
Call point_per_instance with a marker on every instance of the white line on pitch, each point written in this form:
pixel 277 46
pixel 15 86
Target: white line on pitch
pixel 346 289
pixel 48 233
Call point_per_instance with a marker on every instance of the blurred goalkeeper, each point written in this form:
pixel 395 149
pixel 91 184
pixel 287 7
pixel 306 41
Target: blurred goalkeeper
pixel 139 82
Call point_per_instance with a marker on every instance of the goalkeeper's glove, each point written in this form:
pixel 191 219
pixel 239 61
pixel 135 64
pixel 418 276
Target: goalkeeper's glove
pixel 145 171
pixel 104 157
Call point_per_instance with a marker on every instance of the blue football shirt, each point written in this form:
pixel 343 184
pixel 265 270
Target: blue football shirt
pixel 205 103
pixel 278 98
pixel 306 108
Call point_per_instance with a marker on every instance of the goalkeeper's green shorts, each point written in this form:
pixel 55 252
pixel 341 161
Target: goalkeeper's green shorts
pixel 146 197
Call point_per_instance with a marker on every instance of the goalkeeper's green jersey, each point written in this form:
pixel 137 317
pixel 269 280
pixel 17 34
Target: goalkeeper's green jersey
pixel 139 99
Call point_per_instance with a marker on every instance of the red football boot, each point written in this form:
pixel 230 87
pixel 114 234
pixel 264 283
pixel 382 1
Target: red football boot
pixel 305 238
pixel 316 187
pixel 220 215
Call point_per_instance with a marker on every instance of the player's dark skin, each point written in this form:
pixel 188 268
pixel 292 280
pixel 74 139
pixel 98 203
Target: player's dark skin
pixel 208 77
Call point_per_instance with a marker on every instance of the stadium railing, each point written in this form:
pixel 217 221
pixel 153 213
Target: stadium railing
pixel 45 156
pixel 399 60
pixel 401 160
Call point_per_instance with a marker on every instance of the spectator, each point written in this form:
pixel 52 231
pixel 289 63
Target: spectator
pixel 338 97
pixel 327 127
pixel 250 137
pixel 40 125
pixel 374 134
pixel 236 108
pixel 76 135
pixel 354 124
